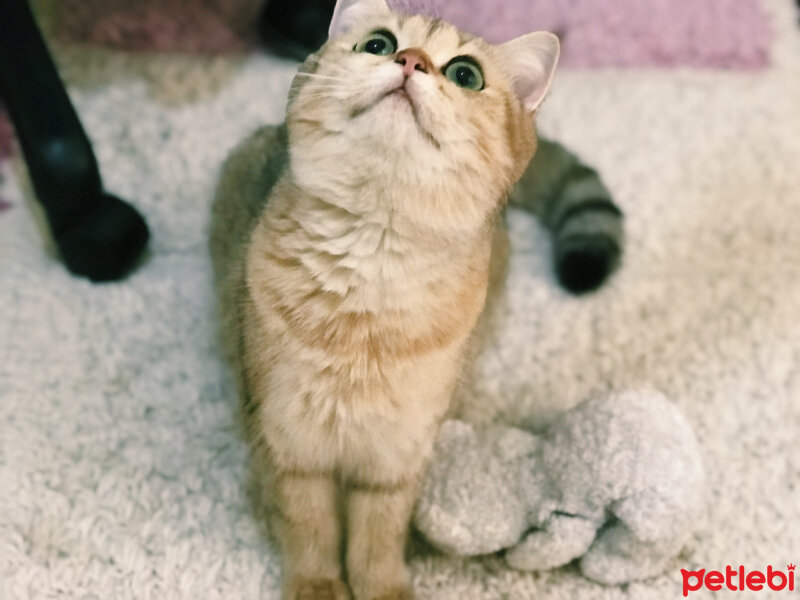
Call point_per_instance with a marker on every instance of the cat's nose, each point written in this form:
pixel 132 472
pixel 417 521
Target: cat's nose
pixel 414 59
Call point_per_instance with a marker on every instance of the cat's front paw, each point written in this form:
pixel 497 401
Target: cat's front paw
pixel 398 594
pixel 301 588
pixel 389 586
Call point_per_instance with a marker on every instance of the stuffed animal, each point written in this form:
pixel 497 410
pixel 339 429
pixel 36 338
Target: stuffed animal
pixel 617 481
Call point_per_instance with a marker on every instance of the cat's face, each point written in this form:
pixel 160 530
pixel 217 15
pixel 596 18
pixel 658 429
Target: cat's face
pixel 419 103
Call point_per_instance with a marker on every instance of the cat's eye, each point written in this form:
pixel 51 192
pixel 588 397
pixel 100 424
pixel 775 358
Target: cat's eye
pixel 381 43
pixel 465 73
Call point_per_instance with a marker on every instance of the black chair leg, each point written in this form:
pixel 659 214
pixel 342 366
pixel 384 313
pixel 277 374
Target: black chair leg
pixel 296 28
pixel 98 235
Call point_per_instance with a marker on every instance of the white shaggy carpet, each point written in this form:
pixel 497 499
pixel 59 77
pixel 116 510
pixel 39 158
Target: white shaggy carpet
pixel 121 469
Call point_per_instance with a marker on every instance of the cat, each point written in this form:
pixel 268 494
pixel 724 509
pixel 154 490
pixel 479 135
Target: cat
pixel 352 249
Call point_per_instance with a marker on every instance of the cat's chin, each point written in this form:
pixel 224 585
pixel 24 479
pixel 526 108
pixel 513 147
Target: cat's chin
pixel 402 94
pixel 402 104
pixel 398 98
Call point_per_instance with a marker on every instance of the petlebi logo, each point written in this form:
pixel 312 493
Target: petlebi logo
pixel 739 579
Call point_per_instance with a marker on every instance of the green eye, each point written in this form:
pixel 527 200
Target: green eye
pixel 465 73
pixel 380 43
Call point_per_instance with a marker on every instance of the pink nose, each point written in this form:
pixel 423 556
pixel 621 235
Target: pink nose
pixel 414 59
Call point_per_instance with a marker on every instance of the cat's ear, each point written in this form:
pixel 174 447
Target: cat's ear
pixel 348 13
pixel 531 61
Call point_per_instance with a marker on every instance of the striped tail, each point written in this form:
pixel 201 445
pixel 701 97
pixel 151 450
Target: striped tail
pixel 571 201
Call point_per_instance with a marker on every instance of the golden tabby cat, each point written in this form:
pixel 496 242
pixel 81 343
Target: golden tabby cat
pixel 350 295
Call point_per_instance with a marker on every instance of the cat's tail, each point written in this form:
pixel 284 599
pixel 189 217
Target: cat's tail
pixel 571 201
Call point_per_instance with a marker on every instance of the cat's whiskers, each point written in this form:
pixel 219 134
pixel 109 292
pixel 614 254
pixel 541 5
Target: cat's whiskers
pixel 324 87
pixel 323 77
pixel 327 62
pixel 323 90
pixel 337 95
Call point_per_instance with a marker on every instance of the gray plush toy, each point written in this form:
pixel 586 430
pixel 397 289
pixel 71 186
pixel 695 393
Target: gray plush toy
pixel 617 481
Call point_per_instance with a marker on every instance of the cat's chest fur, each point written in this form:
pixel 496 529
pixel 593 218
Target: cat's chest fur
pixel 365 289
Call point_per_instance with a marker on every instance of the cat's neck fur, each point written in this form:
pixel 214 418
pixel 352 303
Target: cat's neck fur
pixel 362 242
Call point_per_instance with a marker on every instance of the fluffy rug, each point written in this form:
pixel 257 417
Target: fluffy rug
pixel 121 468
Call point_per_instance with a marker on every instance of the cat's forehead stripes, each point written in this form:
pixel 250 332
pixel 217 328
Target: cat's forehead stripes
pixel 433 26
pixel 440 40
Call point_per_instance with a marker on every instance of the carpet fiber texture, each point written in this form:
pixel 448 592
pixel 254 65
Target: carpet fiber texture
pixel 122 471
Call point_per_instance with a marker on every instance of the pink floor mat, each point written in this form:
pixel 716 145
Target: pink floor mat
pixel 721 34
